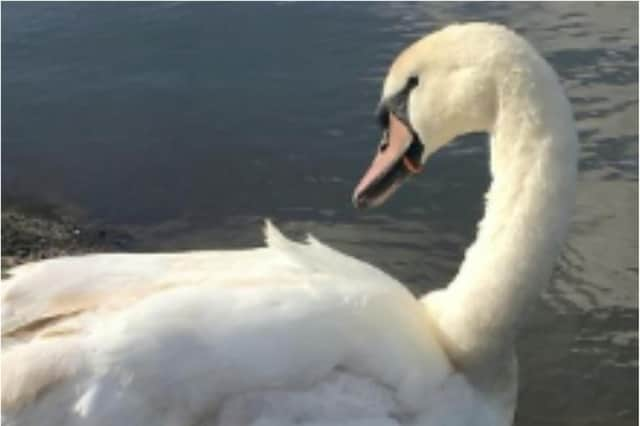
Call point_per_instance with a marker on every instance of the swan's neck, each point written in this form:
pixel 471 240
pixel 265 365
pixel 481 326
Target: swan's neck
pixel 533 164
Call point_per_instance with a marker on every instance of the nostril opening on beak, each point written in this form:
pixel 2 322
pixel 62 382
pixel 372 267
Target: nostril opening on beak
pixel 383 146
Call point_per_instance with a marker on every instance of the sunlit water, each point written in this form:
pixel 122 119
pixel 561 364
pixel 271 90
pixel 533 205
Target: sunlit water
pixel 188 124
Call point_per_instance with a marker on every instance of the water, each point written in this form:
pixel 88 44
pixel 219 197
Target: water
pixel 189 123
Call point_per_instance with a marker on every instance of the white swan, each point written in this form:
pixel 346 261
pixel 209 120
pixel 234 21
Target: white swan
pixel 299 333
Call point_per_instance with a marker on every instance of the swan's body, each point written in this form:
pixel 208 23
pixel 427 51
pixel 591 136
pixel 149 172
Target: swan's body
pixel 320 335
pixel 301 334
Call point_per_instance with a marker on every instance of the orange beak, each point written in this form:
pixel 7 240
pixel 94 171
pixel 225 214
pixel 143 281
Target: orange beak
pixel 397 157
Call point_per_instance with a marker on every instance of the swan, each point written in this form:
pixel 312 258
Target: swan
pixel 297 333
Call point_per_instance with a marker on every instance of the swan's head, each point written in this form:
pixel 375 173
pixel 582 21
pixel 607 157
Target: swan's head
pixel 438 88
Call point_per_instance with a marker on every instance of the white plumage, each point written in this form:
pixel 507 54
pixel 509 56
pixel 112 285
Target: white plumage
pixel 297 333
pixel 289 333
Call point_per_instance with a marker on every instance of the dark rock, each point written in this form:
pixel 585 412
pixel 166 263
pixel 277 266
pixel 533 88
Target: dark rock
pixel 29 235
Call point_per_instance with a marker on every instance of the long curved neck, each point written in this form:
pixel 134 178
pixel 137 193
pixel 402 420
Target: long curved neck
pixel 533 164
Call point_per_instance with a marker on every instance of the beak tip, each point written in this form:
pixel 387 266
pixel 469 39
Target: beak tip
pixel 359 202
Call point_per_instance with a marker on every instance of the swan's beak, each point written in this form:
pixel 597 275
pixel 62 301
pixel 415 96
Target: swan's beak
pixel 398 156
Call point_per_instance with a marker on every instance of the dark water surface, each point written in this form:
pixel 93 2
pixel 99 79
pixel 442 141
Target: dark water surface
pixel 189 123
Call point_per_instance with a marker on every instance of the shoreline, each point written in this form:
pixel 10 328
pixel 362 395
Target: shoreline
pixel 31 233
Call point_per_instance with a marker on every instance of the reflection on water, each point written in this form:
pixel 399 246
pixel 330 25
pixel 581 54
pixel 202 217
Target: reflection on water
pixel 190 123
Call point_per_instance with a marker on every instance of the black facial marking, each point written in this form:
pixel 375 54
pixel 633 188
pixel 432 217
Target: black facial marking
pixel 382 114
pixel 397 104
